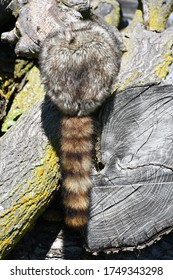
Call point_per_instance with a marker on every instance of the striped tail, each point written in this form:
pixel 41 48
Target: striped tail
pixel 76 160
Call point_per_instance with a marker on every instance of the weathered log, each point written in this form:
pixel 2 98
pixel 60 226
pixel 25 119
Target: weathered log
pixel 28 171
pixel 148 55
pixel 156 13
pixel 32 28
pixel 131 199
pixel 108 10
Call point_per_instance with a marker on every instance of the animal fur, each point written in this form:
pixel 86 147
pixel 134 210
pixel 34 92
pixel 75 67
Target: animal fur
pixel 78 67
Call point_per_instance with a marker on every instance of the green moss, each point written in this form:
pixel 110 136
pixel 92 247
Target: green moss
pixel 163 68
pixel 31 92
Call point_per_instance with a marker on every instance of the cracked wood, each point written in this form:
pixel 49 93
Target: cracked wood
pixel 132 200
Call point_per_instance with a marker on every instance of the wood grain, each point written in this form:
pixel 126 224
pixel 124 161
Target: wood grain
pixel 132 197
pixel 29 171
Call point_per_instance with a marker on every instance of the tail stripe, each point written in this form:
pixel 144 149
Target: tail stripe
pixel 76 167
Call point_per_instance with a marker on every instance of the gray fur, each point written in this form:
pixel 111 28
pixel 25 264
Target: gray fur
pixel 79 66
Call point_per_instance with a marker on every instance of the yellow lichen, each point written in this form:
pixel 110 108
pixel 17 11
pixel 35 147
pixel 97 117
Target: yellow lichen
pixel 31 92
pixel 40 171
pixel 114 17
pixel 22 67
pixel 163 68
pixel 10 81
pixel 158 16
pixel 32 197
pixel 26 199
pixel 138 17
pixel 8 241
pixel 7 84
pixel 47 165
pixel 129 80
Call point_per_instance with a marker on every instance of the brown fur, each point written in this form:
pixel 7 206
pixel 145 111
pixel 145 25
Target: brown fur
pixel 78 67
pixel 76 148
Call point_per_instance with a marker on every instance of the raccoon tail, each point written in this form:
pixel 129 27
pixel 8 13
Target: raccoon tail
pixel 76 159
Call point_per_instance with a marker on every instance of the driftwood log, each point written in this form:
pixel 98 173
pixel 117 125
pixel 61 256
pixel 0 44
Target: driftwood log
pixel 132 194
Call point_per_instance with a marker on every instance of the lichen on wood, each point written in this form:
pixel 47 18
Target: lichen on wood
pixel 26 188
pixel 131 123
pixel 148 55
pixel 156 13
pixel 109 10
pixel 162 69
pixel 12 76
pixel 30 93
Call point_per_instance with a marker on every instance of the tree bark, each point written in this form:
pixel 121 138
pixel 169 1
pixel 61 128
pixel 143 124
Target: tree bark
pixel 31 27
pixel 35 20
pixel 156 13
pixel 132 194
pixel 29 171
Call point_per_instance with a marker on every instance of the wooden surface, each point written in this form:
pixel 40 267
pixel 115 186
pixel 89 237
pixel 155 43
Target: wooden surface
pixel 132 199
pixel 34 21
pixel 28 171
pixel 147 57
pixel 156 13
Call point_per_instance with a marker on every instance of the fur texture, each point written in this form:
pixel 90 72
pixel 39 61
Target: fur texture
pixel 78 67
pixel 76 148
